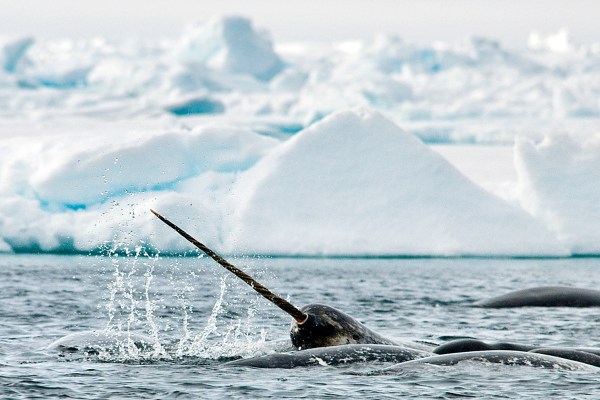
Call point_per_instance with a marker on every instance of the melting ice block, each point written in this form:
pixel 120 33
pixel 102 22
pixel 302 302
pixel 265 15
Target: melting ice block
pixel 559 183
pixel 230 44
pixel 356 184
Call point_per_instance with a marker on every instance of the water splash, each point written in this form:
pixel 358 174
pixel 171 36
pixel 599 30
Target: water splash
pixel 128 308
pixel 135 305
pixel 159 350
pixel 199 344
pixel 235 339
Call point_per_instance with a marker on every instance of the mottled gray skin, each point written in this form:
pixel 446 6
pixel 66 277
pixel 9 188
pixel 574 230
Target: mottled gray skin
pixel 550 296
pixel 570 354
pixel 593 350
pixel 94 342
pixel 465 345
pixel 586 355
pixel 333 355
pixel 326 326
pixel 505 357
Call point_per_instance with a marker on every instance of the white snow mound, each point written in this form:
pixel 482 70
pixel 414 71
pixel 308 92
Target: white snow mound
pixel 356 184
pixel 559 183
pixel 76 176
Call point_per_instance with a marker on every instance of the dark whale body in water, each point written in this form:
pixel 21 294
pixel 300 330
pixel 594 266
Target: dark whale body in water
pixel 586 355
pixel 505 357
pixel 95 342
pixel 333 355
pixel 326 326
pixel 574 354
pixel 465 345
pixel 547 296
pixel 448 354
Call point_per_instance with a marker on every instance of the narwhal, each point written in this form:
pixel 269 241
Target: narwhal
pixel 314 325
pixel 324 335
pixel 545 296
pixel 327 336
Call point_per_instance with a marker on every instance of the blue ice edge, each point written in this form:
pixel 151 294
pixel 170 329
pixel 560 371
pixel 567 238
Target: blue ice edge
pixel 66 248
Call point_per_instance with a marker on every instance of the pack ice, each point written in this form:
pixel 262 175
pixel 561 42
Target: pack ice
pixel 219 130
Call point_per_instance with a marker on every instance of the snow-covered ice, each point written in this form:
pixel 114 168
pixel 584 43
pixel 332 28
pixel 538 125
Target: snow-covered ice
pixel 356 184
pixel 560 184
pixel 230 45
pixel 300 148
pixel 474 90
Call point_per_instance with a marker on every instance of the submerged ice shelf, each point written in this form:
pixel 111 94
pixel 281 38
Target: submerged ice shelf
pixel 296 149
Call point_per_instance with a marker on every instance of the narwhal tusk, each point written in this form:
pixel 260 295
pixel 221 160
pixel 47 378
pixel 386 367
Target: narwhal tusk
pixel 285 305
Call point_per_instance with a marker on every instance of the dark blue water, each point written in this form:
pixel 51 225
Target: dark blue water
pixel 202 317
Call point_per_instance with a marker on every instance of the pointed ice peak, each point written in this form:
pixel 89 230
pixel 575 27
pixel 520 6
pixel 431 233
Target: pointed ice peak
pixel 357 184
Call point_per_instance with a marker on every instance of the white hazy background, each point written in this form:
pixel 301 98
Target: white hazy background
pixel 509 21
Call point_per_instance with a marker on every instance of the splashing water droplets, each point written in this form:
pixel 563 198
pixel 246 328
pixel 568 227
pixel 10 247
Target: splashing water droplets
pixel 185 319
pixel 199 345
pixel 159 350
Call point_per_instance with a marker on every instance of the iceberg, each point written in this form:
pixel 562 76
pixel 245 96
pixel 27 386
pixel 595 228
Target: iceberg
pixel 559 185
pixel 352 184
pixel 356 184
pixel 81 192
pixel 77 177
pixel 230 44
pixel 62 65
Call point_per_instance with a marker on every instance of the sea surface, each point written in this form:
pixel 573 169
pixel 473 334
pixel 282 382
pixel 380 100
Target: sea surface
pixel 201 317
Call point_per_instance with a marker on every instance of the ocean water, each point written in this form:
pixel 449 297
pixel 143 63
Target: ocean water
pixel 202 317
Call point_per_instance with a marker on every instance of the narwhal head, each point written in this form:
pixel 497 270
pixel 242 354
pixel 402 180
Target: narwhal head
pixel 314 325
pixel 325 326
